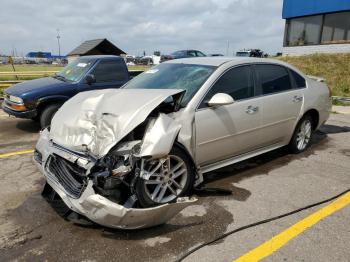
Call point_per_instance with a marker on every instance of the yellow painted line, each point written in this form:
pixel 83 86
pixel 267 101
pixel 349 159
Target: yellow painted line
pixel 16 153
pixel 266 249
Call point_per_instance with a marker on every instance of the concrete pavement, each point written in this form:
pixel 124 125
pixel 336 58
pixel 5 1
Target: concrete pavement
pixel 262 187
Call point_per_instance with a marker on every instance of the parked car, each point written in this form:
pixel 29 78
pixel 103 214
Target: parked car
pixel 150 60
pixel 124 155
pixel 182 54
pixel 39 99
pixel 250 53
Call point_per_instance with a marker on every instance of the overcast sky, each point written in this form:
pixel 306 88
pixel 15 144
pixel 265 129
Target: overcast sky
pixel 135 25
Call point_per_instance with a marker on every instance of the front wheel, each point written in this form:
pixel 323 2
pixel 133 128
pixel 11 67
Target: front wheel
pixel 47 115
pixel 302 135
pixel 167 179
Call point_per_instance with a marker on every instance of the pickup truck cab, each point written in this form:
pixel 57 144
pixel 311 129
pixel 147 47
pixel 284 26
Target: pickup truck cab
pixel 40 99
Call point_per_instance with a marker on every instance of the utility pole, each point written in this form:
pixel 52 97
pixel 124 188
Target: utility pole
pixel 59 46
pixel 228 47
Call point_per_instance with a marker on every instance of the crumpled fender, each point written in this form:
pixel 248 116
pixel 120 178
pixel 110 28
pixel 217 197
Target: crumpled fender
pixel 159 137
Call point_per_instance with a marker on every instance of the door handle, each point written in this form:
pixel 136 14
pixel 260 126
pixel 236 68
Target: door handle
pixel 252 110
pixel 297 99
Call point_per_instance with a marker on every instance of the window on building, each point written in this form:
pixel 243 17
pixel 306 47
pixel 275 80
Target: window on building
pixel 336 28
pixel 304 31
pixel 309 31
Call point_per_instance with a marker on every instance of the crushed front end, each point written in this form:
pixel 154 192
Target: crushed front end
pixel 101 189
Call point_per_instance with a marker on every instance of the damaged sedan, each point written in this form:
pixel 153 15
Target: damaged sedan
pixel 129 158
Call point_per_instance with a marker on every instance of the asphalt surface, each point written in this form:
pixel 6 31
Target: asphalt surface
pixel 262 187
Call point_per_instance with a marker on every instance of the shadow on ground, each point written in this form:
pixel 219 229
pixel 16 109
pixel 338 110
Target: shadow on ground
pixel 29 126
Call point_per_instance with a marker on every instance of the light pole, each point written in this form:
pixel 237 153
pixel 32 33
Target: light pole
pixel 227 47
pixel 59 46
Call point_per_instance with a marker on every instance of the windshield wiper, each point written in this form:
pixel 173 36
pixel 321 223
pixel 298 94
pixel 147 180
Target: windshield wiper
pixel 59 77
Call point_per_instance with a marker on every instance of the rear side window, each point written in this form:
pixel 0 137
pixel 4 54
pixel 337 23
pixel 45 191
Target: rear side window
pixel 273 78
pixel 237 82
pixel 191 53
pixel 108 71
pixel 200 54
pixel 299 80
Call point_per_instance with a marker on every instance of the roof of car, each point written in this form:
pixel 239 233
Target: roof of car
pixel 218 61
pixel 100 57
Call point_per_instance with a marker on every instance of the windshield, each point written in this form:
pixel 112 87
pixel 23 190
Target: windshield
pixel 75 70
pixel 173 76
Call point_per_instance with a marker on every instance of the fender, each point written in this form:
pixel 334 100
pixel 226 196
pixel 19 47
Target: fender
pixel 159 137
pixel 51 99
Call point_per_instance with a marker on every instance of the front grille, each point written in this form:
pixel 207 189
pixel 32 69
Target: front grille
pixel 70 176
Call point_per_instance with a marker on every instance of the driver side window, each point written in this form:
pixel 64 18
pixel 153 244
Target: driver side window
pixel 236 82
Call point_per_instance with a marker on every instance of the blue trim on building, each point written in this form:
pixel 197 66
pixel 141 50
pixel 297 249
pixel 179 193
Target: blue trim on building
pixel 47 55
pixel 296 8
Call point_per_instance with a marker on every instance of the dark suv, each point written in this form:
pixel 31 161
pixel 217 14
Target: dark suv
pixel 39 99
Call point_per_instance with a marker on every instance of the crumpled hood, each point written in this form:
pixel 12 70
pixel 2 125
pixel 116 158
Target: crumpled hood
pixel 98 120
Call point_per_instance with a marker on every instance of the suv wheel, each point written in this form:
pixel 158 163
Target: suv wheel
pixel 47 115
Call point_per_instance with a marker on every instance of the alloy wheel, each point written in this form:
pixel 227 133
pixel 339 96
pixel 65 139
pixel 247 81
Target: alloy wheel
pixel 304 135
pixel 166 178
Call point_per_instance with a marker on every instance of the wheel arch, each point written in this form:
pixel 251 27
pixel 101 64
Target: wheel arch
pixel 46 101
pixel 183 148
pixel 315 116
pixel 198 174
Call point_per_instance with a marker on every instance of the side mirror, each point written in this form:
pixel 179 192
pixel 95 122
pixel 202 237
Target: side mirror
pixel 220 99
pixel 90 79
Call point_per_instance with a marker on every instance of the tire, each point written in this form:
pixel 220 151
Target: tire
pixel 47 115
pixel 145 189
pixel 302 135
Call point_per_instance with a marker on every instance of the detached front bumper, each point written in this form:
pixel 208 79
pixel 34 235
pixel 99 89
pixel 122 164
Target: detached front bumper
pixel 98 208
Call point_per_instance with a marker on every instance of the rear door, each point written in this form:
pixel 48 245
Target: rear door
pixel 226 131
pixel 281 103
pixel 109 74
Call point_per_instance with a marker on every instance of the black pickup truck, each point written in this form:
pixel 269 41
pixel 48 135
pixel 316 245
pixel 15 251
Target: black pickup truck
pixel 40 99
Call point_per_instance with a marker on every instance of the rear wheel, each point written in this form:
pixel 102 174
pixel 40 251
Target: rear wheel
pixel 47 115
pixel 302 135
pixel 168 179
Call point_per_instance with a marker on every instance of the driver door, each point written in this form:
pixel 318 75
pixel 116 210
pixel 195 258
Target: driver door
pixel 230 130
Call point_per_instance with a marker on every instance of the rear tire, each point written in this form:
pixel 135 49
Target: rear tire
pixel 47 115
pixel 178 179
pixel 302 136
